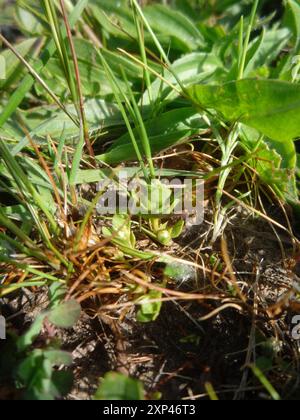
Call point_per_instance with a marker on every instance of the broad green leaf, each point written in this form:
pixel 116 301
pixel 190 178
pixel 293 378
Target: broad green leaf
pixel 62 382
pixel 122 226
pixel 100 115
pixel 114 15
pixel 77 11
pixel 28 22
pixel 174 29
pixel 37 377
pixel 265 49
pixel 270 106
pixel 87 54
pixel 7 14
pixel 223 5
pixel 65 315
pixel 6 250
pixel 92 75
pixel 274 161
pixel 176 25
pixel 121 230
pixel 34 375
pixel 231 11
pixel 58 357
pixel 164 131
pixel 116 386
pixel 14 69
pixel 18 212
pixel 191 68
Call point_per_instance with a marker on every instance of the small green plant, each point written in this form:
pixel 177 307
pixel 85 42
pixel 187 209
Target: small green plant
pixel 33 371
pixel 150 306
pixel 116 386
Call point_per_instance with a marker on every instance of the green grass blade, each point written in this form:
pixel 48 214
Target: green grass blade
pixel 119 95
pixel 27 83
pixel 247 40
pixel 266 383
pixel 141 127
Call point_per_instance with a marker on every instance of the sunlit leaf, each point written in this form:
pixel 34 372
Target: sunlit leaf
pixel 116 386
pixel 270 106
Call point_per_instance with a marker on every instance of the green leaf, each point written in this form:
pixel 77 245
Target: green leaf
pixel 298 166
pixel 28 81
pixel 28 22
pixel 62 382
pixel 58 357
pixel 34 375
pixel 108 13
pixel 270 106
pixel 185 7
pixel 121 228
pixel 7 14
pixel 92 75
pixel 286 151
pixel 292 20
pixel 149 311
pixel 30 336
pixel 177 229
pixel 39 380
pixel 100 115
pixel 116 386
pixel 265 49
pixel 179 272
pixel 17 212
pixel 176 25
pixel 57 292
pixel 163 131
pixel 14 69
pixel 189 69
pixel 164 237
pixel 275 162
pixel 65 315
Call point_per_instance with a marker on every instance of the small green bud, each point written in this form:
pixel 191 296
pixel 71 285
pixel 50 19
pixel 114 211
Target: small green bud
pixel 164 237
